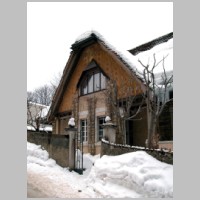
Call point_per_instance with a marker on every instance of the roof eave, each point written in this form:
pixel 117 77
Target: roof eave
pixel 151 44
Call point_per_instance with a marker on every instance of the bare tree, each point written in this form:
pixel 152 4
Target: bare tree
pixel 37 102
pixel 155 98
pixel 35 113
pixel 55 82
pixel 31 97
pixel 43 95
pixel 123 109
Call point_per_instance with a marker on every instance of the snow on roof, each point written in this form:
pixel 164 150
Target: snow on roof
pixel 160 50
pixel 43 109
pixel 125 56
pixel 87 34
pixel 43 113
pixel 37 104
pixel 30 128
pixel 43 127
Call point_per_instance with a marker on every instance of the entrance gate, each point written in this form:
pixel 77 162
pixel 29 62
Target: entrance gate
pixel 79 152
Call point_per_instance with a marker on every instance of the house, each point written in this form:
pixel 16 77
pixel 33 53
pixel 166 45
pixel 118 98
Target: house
pixel 99 81
pixel 37 117
pixel 161 46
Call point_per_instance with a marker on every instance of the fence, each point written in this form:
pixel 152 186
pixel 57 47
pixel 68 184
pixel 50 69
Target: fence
pixel 56 145
pixel 108 148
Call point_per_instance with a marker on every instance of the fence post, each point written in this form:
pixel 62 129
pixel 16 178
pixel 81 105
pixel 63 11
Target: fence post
pixel 71 131
pixel 109 131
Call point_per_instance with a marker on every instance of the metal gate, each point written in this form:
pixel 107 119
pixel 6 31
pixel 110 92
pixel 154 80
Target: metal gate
pixel 79 152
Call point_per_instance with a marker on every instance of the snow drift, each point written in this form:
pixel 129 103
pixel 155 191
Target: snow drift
pixel 131 175
pixel 135 174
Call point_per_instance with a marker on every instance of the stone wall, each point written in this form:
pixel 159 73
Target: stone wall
pixel 166 145
pixel 56 145
pixel 118 149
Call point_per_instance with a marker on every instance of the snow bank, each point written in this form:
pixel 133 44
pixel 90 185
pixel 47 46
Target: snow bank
pixel 88 161
pixel 45 175
pixel 132 175
pixel 36 155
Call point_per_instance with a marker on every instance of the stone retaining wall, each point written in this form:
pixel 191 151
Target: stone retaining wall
pixel 56 145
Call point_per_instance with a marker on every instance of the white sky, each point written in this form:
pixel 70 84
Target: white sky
pixel 53 26
pixel 131 175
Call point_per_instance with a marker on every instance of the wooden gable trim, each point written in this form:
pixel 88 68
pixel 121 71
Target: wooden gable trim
pixel 84 43
pixel 69 69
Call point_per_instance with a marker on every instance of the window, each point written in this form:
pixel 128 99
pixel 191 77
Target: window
pixel 84 88
pixel 90 83
pixel 101 121
pixel 84 130
pixel 94 81
pixel 103 81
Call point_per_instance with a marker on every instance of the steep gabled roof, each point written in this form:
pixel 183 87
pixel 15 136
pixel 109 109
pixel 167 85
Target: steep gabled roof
pixel 83 41
pixel 86 39
pixel 123 55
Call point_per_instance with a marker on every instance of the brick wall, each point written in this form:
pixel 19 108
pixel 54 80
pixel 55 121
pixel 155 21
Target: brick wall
pixel 166 145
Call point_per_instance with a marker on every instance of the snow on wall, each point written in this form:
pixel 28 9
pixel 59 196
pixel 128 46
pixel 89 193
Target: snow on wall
pixel 108 148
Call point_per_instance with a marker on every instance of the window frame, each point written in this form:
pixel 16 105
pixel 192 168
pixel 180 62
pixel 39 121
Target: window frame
pixel 84 85
pixel 99 128
pixel 84 132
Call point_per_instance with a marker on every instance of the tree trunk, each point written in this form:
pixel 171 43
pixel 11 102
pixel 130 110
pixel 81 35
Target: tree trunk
pixel 152 130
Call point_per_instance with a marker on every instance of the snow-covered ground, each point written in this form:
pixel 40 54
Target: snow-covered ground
pixel 131 175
